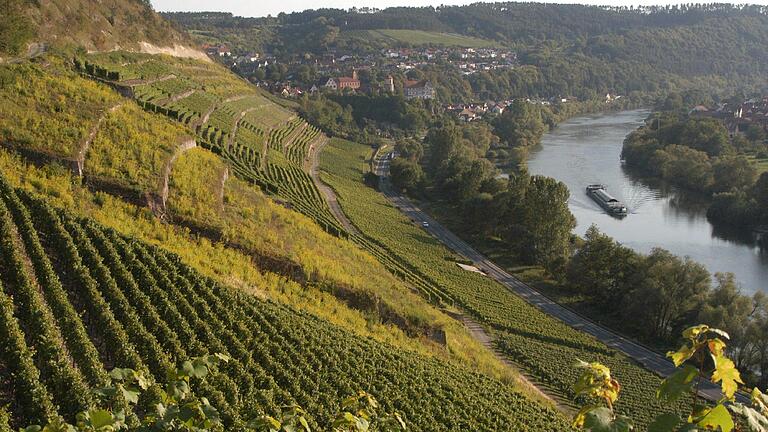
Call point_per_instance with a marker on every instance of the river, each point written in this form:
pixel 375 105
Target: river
pixel 586 150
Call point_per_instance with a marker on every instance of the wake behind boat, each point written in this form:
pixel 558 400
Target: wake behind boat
pixel 610 204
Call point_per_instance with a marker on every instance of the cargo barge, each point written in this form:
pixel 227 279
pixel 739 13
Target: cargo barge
pixel 610 204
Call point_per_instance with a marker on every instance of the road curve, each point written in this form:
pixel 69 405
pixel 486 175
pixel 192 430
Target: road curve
pixel 650 359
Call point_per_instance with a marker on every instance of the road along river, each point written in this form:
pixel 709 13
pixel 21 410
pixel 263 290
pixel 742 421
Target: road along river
pixel 586 150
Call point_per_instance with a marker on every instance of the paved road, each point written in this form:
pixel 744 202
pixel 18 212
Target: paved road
pixel 650 359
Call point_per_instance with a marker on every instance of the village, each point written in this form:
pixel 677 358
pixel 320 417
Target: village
pixel 332 70
pixel 340 72
pixel 738 117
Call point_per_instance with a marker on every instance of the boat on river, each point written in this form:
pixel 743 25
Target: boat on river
pixel 611 205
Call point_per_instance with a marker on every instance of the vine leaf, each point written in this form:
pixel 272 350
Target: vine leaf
pixel 694 332
pixel 755 419
pixel 665 423
pixel 727 374
pixel 602 420
pixel 716 346
pixel 718 418
pixel 682 355
pixel 676 384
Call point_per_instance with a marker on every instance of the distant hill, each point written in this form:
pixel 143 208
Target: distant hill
pixel 580 51
pixel 419 37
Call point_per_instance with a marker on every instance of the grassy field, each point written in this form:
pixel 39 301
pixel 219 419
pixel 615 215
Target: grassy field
pixel 132 147
pixel 420 37
pixel 43 113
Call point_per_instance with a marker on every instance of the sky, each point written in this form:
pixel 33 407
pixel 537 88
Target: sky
pixel 258 8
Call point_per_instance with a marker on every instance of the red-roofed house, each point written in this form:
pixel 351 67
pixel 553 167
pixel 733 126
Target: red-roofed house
pixel 342 83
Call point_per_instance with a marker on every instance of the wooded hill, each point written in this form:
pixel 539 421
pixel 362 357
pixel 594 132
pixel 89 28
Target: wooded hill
pixel 565 50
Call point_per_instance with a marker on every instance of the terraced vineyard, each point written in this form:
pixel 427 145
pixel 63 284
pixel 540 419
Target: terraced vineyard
pixel 78 299
pixel 265 144
pixel 545 347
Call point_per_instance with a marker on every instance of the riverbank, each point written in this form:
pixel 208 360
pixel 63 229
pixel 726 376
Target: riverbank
pixel 533 275
pixel 587 149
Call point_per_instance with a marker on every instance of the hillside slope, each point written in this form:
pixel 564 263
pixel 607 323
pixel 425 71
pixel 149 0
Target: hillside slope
pixel 57 126
pixel 143 308
pixel 92 25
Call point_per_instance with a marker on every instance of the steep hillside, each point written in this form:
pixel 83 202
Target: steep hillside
pixel 87 149
pixel 150 161
pixel 93 25
pixel 77 299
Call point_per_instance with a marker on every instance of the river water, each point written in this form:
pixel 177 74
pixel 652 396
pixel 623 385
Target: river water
pixel 586 150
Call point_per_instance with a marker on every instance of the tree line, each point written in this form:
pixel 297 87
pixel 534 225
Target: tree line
pixel 699 154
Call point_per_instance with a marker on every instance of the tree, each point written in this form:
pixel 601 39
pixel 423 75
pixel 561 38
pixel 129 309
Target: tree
pixel 604 270
pixel 735 172
pixel 520 125
pixel 755 133
pixel 410 149
pixel 442 143
pixel 686 166
pixel 538 221
pixel 706 134
pixel 481 214
pixel 461 177
pixel 672 290
pixel 760 192
pixel 728 309
pixel 406 174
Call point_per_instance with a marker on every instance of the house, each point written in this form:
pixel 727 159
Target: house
pixel 419 89
pixel 217 50
pixel 467 115
pixel 342 83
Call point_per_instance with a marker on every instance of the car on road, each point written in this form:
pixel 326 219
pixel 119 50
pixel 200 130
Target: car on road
pixel 425 224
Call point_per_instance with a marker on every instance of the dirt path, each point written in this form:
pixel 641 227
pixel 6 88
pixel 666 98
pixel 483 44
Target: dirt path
pixel 314 149
pixel 33 50
pixel 81 152
pixel 294 135
pixel 328 192
pixel 479 334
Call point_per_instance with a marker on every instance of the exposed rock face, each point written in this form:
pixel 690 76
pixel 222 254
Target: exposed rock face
pixel 176 51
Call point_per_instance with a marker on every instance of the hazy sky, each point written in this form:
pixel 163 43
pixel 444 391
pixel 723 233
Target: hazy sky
pixel 273 7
